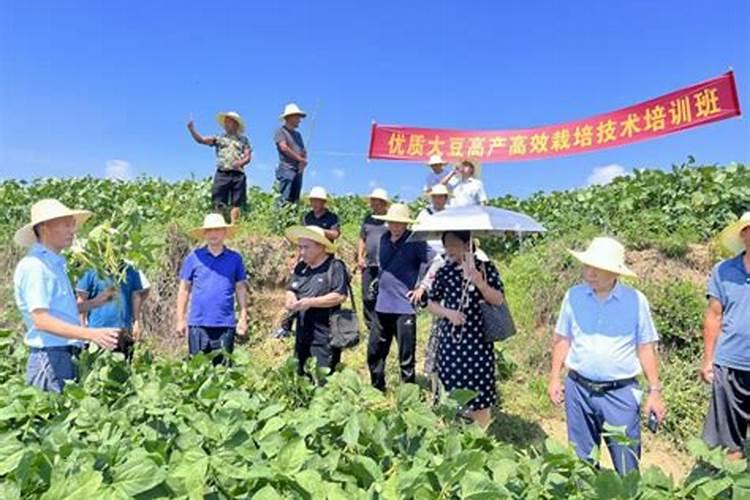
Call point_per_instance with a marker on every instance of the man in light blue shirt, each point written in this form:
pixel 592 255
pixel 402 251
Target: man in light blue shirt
pixel 605 336
pixel 726 344
pixel 45 297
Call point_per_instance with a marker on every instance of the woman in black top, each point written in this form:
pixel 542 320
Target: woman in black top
pixel 318 285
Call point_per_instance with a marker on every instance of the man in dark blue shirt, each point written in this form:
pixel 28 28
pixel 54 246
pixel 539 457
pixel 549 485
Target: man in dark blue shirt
pixel 400 262
pixel 292 154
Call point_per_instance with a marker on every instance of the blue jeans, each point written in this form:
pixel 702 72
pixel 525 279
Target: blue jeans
pixel 586 413
pixel 49 368
pixel 207 339
pixel 290 184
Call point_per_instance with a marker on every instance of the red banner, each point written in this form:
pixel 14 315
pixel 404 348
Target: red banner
pixel 682 109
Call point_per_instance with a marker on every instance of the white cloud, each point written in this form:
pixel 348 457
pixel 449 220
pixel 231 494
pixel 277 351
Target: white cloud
pixel 117 169
pixel 373 184
pixel 606 174
pixel 338 173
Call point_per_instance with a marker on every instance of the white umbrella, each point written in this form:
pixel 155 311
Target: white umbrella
pixel 477 219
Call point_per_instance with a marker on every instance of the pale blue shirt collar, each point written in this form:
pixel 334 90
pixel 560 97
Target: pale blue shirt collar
pixel 48 255
pixel 616 292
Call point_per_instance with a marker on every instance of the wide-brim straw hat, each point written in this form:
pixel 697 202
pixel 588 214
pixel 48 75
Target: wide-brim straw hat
pixel 475 163
pixel 439 190
pixel 43 211
pixel 379 194
pixel 436 160
pixel 607 254
pixel 398 212
pixel 313 233
pixel 234 116
pixel 730 236
pixel 212 221
pixel 292 109
pixel 318 193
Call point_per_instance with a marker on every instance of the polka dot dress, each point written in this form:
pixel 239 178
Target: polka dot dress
pixel 465 360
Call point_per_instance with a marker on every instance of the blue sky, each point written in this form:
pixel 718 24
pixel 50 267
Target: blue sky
pixel 107 87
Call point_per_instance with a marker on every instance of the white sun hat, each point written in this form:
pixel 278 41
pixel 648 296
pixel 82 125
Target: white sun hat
pixel 43 211
pixel 398 212
pixel 730 236
pixel 221 117
pixel 439 190
pixel 292 109
pixel 474 162
pixel 318 193
pixel 314 233
pixel 605 253
pixel 379 194
pixel 212 221
pixel 436 160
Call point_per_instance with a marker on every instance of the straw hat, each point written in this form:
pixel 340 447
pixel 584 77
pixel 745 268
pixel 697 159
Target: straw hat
pixel 439 190
pixel 314 233
pixel 607 254
pixel 436 160
pixel 292 109
pixel 379 194
pixel 234 116
pixel 398 212
pixel 212 221
pixel 43 211
pixel 730 236
pixel 475 163
pixel 318 193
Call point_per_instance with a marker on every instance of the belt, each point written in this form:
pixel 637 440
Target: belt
pixel 72 349
pixel 600 387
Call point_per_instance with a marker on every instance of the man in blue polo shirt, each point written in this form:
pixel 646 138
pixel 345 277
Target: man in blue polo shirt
pixel 210 278
pixel 605 336
pixel 726 341
pixel 400 263
pixel 46 300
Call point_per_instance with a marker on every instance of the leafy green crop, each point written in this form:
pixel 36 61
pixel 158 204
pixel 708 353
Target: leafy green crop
pixel 184 428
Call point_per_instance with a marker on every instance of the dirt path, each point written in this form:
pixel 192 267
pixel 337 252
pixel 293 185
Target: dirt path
pixel 656 451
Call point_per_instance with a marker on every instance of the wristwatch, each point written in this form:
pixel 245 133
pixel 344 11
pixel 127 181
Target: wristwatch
pixel 654 388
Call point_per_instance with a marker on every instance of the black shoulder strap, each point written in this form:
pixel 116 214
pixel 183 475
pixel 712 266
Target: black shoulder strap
pixel 346 277
pixel 393 255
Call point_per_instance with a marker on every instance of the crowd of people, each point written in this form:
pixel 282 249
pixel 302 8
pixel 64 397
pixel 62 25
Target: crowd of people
pixel 604 339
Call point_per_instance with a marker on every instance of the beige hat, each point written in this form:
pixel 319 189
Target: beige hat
pixel 607 254
pixel 439 190
pixel 473 161
pixel 730 236
pixel 379 194
pixel 314 233
pixel 398 212
pixel 43 211
pixel 292 109
pixel 436 160
pixel 318 193
pixel 212 221
pixel 234 116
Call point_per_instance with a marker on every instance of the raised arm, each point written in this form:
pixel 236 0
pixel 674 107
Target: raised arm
pixel 208 141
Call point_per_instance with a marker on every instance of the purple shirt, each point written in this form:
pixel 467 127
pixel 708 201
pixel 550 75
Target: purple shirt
pixel 401 262
pixel 213 280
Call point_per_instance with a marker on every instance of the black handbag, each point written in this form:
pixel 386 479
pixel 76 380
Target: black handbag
pixel 344 322
pixel 497 321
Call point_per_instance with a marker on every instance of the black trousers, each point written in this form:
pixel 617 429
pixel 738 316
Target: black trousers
pixel 369 274
pixel 387 326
